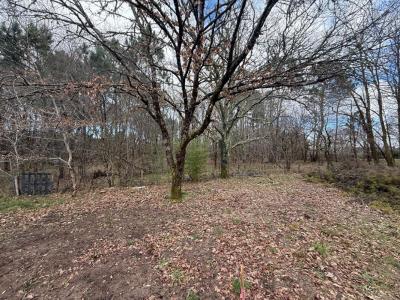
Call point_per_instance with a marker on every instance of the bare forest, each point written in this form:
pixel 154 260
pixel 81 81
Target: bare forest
pixel 180 149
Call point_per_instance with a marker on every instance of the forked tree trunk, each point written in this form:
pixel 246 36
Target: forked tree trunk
pixel 387 151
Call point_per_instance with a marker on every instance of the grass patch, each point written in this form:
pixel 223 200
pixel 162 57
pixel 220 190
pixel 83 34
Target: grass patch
pixel 195 236
pixel 373 282
pixel 384 207
pixel 273 250
pixel 8 204
pixel 218 231
pixel 178 276
pixel 321 248
pixel 390 260
pixel 163 263
pixel 192 295
pixel 379 188
pixel 236 286
pixel 236 221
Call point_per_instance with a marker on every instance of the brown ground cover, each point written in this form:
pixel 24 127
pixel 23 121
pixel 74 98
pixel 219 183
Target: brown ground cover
pixel 295 240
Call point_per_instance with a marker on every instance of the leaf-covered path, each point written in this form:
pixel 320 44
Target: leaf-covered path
pixel 295 240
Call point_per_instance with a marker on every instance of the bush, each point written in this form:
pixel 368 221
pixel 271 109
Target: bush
pixel 196 160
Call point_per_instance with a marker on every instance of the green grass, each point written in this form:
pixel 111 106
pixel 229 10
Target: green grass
pixel 8 204
pixel 192 295
pixel 321 248
pixel 163 263
pixel 390 260
pixel 273 250
pixel 373 282
pixel 380 189
pixel 384 207
pixel 178 276
pixel 236 285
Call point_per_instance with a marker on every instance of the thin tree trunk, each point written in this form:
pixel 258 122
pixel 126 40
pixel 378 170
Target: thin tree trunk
pixel 336 131
pixel 17 167
pixel 224 158
pixel 366 119
pixel 70 167
pixel 386 147
pixel 16 183
pixel 69 151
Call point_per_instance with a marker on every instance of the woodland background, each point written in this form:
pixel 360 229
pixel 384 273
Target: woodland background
pixel 108 105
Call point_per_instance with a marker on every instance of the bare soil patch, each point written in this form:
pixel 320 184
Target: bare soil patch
pixel 296 240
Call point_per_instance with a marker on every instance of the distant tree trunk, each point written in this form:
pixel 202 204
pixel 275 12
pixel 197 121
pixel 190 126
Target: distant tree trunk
pixel 321 123
pixel 395 82
pixel 69 165
pixel 16 184
pixel 306 148
pixel 398 119
pixel 328 143
pixel 69 161
pixel 17 166
pixel 224 158
pixel 335 142
pixel 366 122
pixel 386 147
pixel 215 156
pixel 371 143
pixel 353 138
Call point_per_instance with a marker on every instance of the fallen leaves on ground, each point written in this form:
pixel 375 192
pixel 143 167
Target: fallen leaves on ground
pixel 296 240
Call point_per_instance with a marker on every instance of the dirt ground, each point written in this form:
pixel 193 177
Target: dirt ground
pixel 294 239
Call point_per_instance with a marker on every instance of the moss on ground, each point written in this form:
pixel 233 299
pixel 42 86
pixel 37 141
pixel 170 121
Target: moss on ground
pixel 8 204
pixel 381 191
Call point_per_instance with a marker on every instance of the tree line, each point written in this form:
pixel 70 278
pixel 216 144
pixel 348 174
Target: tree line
pixel 124 88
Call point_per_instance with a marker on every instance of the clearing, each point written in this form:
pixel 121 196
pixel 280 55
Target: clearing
pixel 295 240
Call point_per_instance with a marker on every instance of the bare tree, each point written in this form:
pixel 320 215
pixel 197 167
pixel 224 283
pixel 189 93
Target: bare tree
pixel 165 52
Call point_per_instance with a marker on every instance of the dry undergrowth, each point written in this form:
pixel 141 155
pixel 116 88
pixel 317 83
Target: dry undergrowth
pixel 296 240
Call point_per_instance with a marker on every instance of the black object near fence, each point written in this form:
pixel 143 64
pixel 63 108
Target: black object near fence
pixel 35 183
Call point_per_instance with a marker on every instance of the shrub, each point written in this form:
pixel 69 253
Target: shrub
pixel 196 160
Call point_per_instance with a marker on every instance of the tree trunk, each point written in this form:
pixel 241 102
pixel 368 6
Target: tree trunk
pixel 386 147
pixel 16 183
pixel 372 146
pixel 224 158
pixel 398 120
pixel 335 152
pixel 73 179
pixel 177 175
pixel 353 138
pixel 366 123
